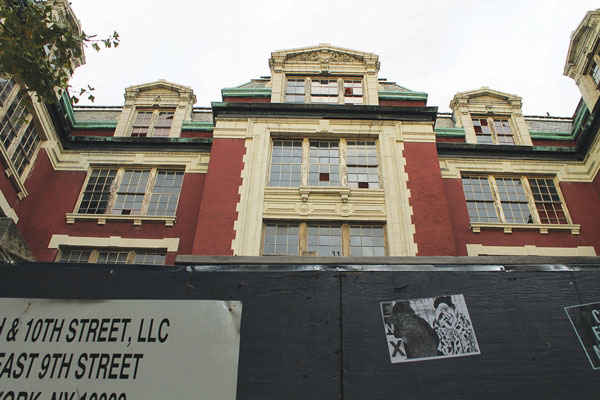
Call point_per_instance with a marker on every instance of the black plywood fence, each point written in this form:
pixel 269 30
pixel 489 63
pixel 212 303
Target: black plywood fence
pixel 318 332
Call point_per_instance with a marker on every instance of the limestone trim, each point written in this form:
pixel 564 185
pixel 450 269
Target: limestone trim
pixel 324 61
pixel 66 160
pixel 476 227
pixel 156 96
pixel 7 209
pixel 570 171
pixel 492 104
pixel 259 202
pixel 135 219
pixel 529 250
pixel 170 244
pixel 584 52
pixel 324 204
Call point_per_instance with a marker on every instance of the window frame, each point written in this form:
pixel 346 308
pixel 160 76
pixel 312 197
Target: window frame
pixel 343 166
pixel 94 254
pixel 21 139
pixel 532 203
pixel 114 190
pixel 303 227
pixel 494 134
pixel 311 90
pixel 153 123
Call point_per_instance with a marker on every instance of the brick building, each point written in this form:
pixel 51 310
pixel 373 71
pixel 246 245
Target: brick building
pixel 323 157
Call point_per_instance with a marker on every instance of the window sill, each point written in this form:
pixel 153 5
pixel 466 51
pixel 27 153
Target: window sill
pixel 508 228
pixel 137 219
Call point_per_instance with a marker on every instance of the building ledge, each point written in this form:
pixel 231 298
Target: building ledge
pixel 508 228
pixel 359 264
pixel 135 219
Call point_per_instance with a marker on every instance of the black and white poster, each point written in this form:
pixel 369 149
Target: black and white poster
pixel 428 328
pixel 585 319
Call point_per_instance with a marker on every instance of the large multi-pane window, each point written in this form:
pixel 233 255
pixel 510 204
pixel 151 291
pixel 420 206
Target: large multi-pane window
pixel 513 200
pixel 493 130
pixel 152 123
pixel 111 256
pixel 324 90
pixel 6 86
pixel 324 163
pixel 341 162
pixel 361 161
pixel 595 74
pixel 294 92
pixel 131 192
pixel 18 135
pixel 323 239
pixel 286 163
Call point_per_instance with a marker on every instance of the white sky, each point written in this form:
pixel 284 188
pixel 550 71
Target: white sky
pixel 436 46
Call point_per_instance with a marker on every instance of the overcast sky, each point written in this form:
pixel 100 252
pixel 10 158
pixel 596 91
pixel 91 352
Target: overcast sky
pixel 434 46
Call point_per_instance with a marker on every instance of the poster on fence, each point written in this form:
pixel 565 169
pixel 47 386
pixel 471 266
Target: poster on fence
pixel 428 328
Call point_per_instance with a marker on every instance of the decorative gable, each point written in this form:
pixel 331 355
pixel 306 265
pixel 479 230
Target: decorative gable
pixel 156 97
pixel 583 58
pixel 324 62
pixel 485 105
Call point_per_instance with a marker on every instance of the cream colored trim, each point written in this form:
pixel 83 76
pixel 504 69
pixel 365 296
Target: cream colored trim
pixel 7 209
pixel 528 250
pixel 571 171
pixel 82 160
pixel 159 95
pixel 486 102
pixel 171 244
pixel 324 58
pixel 258 202
pixel 136 219
pixel 508 228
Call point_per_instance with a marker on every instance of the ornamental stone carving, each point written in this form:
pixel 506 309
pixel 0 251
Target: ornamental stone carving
pixel 324 56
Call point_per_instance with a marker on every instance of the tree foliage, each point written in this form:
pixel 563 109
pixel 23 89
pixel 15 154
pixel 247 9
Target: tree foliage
pixel 39 49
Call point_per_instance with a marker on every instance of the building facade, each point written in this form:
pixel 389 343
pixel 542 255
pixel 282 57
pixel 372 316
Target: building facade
pixel 323 157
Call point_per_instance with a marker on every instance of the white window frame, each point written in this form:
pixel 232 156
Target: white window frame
pixel 494 134
pixel 94 254
pixel 152 124
pixel 113 195
pixel 26 130
pixel 536 222
pixel 304 167
pixel 345 246
pixel 341 90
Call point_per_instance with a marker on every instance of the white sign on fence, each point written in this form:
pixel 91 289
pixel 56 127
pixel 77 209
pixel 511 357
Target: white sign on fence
pixel 118 349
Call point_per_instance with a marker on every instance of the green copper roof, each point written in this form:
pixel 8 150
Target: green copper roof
pixel 396 95
pixel 246 92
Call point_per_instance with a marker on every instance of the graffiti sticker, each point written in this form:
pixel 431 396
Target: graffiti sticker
pixel 428 328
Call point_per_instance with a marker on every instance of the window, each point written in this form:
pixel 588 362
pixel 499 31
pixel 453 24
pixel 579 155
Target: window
pixel 362 165
pixel 131 192
pixel 152 123
pixel 322 159
pixel 353 92
pixel 323 239
pixel 513 200
pixel 6 86
pixel 324 90
pixel 18 135
pixel 595 73
pixel 294 92
pixel 324 163
pixel 111 256
pixel 493 130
